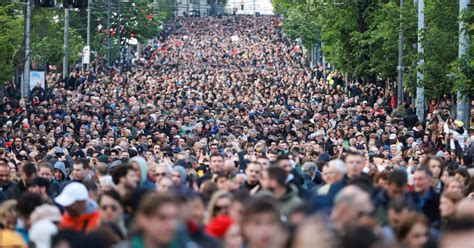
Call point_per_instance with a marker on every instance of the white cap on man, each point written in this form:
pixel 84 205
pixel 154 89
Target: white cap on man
pixel 72 193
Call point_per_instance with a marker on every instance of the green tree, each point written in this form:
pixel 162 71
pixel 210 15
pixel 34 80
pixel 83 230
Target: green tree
pixel 11 37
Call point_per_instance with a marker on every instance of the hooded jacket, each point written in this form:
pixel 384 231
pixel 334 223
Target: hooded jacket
pixel 144 183
pixel 289 201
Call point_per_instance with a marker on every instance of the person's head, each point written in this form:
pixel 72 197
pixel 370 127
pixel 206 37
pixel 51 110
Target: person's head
pixel 165 184
pixel 60 172
pixel 284 162
pixel 398 208
pixel 8 214
pixel 4 174
pixel 422 179
pixel 463 176
pixel 447 203
pixel 178 174
pixel 111 210
pixel 381 180
pixel 219 204
pixel 27 202
pixel 453 185
pixel 81 168
pixel 39 185
pixel 216 162
pixel 460 230
pixel 277 178
pixel 334 171
pixel 354 163
pixel 221 179
pixel 435 165
pixel 29 171
pixel 158 218
pixel 125 175
pixel 253 171
pixel 351 205
pixel 162 170
pixel 73 198
pixel 397 183
pixel 260 222
pixel 45 170
pixel 413 231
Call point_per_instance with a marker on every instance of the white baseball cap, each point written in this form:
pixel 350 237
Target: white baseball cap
pixel 71 193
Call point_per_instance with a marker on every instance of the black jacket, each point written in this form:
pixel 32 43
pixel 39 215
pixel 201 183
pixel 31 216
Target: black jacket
pixel 429 205
pixel 9 191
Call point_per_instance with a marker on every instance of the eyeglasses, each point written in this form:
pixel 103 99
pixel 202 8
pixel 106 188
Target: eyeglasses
pixel 221 208
pixel 113 207
pixel 160 174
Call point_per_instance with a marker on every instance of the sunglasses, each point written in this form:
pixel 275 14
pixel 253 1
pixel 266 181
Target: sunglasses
pixel 161 174
pixel 220 208
pixel 113 207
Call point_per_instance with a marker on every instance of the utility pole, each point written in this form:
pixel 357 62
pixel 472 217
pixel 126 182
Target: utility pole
pixel 119 24
pixel 66 42
pixel 420 90
pixel 400 61
pixel 89 31
pixel 107 54
pixel 463 108
pixel 25 84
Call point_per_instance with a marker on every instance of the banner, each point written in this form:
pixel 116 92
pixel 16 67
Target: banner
pixel 86 55
pixel 37 77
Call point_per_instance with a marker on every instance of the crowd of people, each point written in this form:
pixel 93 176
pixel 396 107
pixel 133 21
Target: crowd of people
pixel 221 135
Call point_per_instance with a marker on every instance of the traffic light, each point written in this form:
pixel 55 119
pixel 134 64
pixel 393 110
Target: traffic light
pixel 80 4
pixel 45 3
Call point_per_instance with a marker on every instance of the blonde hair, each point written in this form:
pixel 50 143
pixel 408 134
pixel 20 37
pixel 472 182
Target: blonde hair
pixel 212 203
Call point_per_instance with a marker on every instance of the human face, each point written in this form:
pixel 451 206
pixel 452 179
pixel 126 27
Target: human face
pixel 216 164
pixel 354 165
pixel 160 172
pixel 259 229
pixel 460 178
pixel 160 227
pixel 417 237
pixel 46 173
pixel 421 181
pixel 176 177
pixel 264 162
pixel 435 168
pixel 164 185
pixel 233 237
pixel 394 190
pixel 222 183
pixel 285 165
pixel 58 175
pixel 253 173
pixel 110 210
pixel 222 206
pixel 330 174
pixel 446 207
pixel 131 179
pixel 78 172
pixel 395 219
pixel 4 175
pixel 454 186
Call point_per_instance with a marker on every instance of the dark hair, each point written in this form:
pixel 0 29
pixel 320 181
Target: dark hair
pixel 350 153
pixel 464 173
pixel 282 157
pixel 216 155
pixel 39 181
pixel 84 161
pixel 400 203
pixel 381 175
pixel 119 172
pixel 398 177
pixel 360 236
pixel 154 201
pixel 260 206
pixel 112 194
pixel 407 224
pixel 27 202
pixel 29 169
pixel 278 174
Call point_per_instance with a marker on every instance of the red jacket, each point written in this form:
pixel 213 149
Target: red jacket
pixel 84 223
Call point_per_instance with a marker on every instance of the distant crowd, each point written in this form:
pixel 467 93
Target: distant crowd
pixel 221 135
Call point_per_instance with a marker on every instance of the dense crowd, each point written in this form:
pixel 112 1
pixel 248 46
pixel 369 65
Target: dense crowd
pixel 221 135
